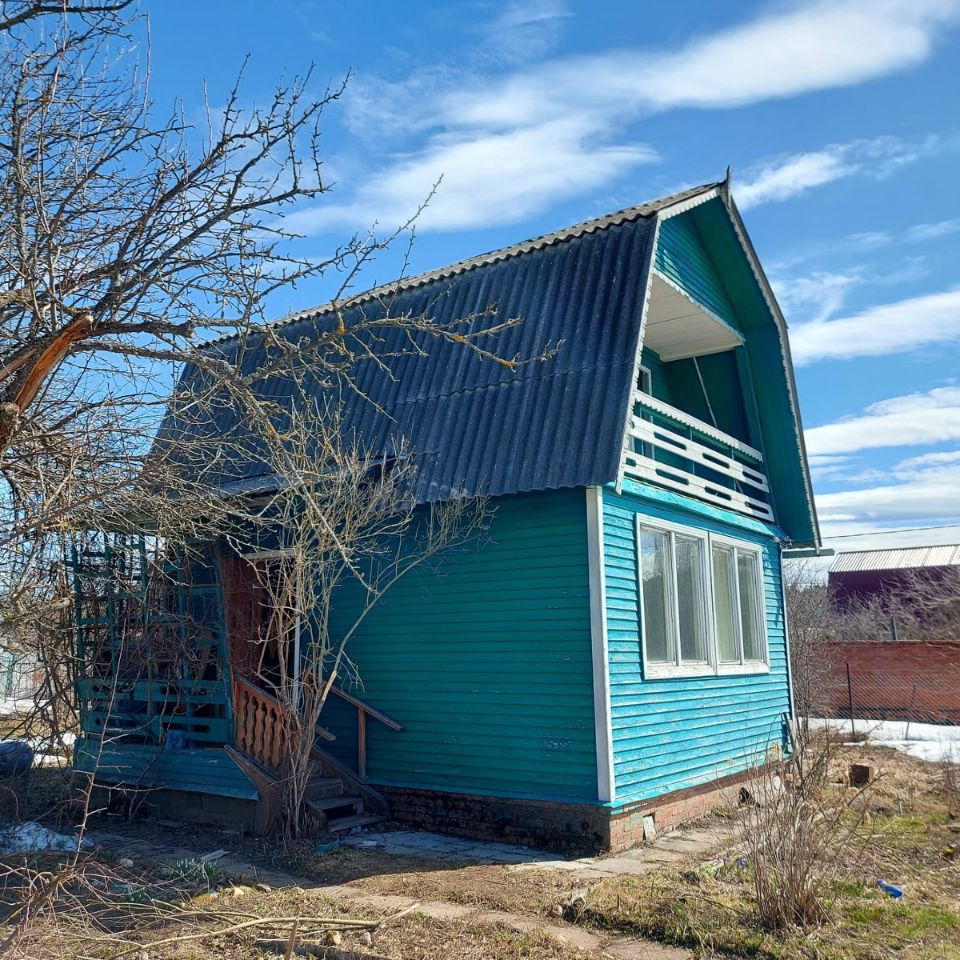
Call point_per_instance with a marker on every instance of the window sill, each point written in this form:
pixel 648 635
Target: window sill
pixel 743 669
pixel 705 670
pixel 666 672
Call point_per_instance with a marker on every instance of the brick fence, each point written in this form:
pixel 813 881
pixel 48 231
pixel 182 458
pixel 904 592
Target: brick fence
pixel 895 680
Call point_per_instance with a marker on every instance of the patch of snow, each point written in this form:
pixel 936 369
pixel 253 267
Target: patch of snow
pixel 34 836
pixel 924 741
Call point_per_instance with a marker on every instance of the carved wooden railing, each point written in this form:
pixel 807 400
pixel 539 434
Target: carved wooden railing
pixel 261 729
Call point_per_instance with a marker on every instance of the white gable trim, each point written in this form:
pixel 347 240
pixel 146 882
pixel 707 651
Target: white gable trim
pixel 778 318
pixel 603 723
pixel 628 414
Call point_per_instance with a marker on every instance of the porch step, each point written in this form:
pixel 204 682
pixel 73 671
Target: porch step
pixel 331 803
pixel 320 788
pixel 348 823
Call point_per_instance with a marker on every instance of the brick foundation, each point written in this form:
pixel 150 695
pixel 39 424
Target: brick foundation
pixel 570 828
pixel 629 825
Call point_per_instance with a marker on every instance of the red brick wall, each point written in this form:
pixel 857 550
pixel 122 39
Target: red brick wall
pixel 896 681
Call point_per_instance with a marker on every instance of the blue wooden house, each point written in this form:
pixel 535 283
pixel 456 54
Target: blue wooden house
pixel 614 652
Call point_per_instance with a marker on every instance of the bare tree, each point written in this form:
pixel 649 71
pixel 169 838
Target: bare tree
pixel 810 622
pixel 129 243
pixel 344 532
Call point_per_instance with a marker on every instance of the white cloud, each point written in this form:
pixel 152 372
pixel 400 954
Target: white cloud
pixel 925 461
pixel 568 112
pixel 784 53
pixel 525 29
pixel 863 242
pixel 788 176
pixel 816 297
pixel 909 420
pixel 882 330
pixel 925 499
pixel 923 232
pixel 495 178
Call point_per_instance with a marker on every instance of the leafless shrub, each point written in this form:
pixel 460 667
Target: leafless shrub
pixel 950 784
pixel 810 619
pixel 346 532
pixel 797 828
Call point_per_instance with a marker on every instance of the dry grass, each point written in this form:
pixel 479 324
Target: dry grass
pixel 907 838
pixel 199 929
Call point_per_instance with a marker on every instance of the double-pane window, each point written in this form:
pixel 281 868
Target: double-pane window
pixel 701 600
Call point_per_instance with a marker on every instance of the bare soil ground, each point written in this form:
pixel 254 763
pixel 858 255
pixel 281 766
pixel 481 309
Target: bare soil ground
pixel 700 906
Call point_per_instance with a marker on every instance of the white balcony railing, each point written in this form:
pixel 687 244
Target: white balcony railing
pixel 672 449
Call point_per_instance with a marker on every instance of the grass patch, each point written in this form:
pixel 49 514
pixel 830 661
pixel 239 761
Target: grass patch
pixel 907 839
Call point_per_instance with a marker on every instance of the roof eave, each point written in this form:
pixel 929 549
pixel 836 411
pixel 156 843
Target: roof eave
pixel 781 323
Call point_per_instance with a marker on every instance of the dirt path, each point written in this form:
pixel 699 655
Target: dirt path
pixel 447 853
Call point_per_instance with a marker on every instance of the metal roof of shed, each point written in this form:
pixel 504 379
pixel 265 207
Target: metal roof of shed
pixel 896 558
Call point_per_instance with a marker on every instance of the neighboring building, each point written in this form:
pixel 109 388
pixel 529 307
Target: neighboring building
pixel 860 576
pixel 614 650
pixel 21 676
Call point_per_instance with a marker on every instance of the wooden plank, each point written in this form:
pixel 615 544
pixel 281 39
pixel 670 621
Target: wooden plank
pixel 366 708
pixel 643 468
pixel 653 405
pixel 674 443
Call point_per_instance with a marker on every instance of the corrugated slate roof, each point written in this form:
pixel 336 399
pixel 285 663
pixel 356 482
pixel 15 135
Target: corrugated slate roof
pixel 476 427
pixel 897 558
pixel 639 211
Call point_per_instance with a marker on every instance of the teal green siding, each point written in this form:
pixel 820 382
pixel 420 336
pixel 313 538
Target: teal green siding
pixel 209 770
pixel 762 366
pixel 486 662
pixel 682 256
pixel 673 733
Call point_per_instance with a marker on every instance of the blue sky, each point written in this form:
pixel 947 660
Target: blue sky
pixel 840 120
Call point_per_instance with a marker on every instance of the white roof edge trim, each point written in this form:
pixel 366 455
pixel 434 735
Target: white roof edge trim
pixel 781 322
pixel 723 323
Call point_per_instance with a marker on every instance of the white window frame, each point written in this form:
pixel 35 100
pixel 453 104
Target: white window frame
pixel 645 381
pixel 712 667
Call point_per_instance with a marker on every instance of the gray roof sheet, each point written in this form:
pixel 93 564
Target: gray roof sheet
pixel 896 558
pixel 475 427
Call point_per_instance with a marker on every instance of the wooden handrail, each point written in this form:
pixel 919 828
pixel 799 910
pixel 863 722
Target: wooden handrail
pixel 655 406
pixel 363 711
pixel 366 708
pixel 260 727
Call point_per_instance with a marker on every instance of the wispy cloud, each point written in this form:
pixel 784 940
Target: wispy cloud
pixel 782 53
pixel 864 241
pixel 878 331
pixel 789 176
pixel 932 497
pixel 524 30
pixel 816 297
pixel 483 180
pixel 477 130
pixel 909 420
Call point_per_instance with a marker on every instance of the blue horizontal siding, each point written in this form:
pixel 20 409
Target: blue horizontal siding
pixel 673 733
pixel 209 770
pixel 486 661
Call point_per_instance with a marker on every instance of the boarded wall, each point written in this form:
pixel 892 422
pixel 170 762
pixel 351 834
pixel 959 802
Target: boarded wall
pixel 895 681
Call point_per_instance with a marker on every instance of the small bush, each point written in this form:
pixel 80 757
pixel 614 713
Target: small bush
pixel 796 825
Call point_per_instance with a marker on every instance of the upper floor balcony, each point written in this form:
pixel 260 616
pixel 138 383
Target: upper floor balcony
pixel 675 450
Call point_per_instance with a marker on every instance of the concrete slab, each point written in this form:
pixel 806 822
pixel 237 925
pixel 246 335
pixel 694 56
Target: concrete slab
pixel 627 949
pixel 416 843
